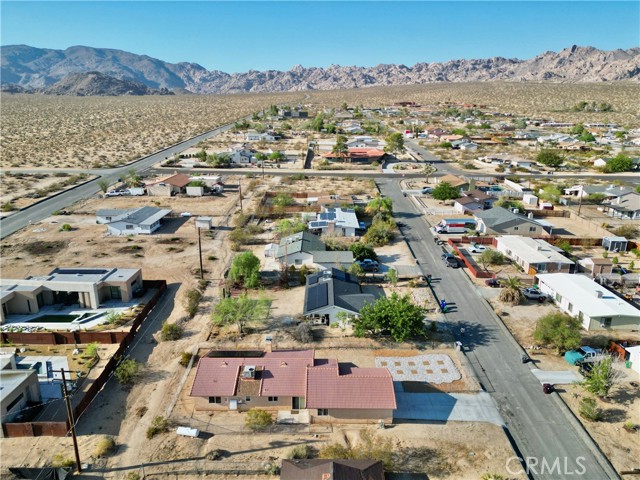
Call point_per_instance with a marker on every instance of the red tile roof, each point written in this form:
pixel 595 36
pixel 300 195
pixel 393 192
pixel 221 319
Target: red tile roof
pixel 177 180
pixel 324 382
pixel 358 152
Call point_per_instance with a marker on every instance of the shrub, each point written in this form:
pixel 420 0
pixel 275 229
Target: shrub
pixel 127 371
pixel 65 228
pixel 559 330
pixel 303 333
pixel 92 350
pixel 630 426
pixel 113 317
pixel 627 231
pixel 185 358
pixel 132 476
pixel 170 331
pixel 299 452
pixel 60 461
pixel 589 410
pixel 159 425
pixel 258 419
pixel 192 299
pixel 8 207
pixel 104 447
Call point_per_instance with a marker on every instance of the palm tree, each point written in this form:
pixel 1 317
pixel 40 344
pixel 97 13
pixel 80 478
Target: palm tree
pixel 511 292
pixel 132 179
pixel 379 205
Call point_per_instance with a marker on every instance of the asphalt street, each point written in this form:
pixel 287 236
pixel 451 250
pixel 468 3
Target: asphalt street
pixel 538 427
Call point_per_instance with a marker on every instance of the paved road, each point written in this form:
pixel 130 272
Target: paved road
pixel 35 213
pixel 538 426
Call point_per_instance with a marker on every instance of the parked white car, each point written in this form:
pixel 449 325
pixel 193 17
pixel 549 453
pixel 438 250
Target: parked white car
pixel 475 248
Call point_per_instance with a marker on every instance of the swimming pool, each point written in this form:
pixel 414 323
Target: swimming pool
pixel 53 319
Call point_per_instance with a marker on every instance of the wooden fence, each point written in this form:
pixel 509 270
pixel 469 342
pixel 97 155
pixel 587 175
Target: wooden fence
pixel 60 429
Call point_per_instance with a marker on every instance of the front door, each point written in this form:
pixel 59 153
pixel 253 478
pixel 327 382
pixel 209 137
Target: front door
pixel 296 403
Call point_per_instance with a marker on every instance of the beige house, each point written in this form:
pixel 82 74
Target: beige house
pixel 86 287
pixel 20 388
pixel 533 255
pixel 596 266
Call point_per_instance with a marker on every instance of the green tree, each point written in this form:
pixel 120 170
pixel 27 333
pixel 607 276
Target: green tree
pixel 240 310
pixel 638 188
pixel 511 291
pixel 341 149
pixel 277 157
pixel 288 226
pixel 559 330
pixel 283 200
pixel 379 205
pixel 380 233
pixel 392 276
pixel 601 377
pixel 170 331
pixel 509 204
pixel 127 371
pixel 394 143
pixel 551 193
pixel 587 136
pixel 394 315
pixel 257 419
pixel 132 179
pixel 330 128
pixel 104 185
pixel 619 163
pixel 621 135
pixel 491 257
pixel 357 271
pixel 318 123
pixel 550 158
pixel 219 160
pixel 459 131
pixel 445 191
pixel 577 129
pixel 362 251
pixel 245 270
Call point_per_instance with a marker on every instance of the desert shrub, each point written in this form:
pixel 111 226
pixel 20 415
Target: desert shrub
pixel 257 419
pixel 511 292
pixel 629 426
pixel 170 331
pixel 370 446
pixel 272 468
pixel 185 358
pixel 589 409
pixel 191 301
pixel 158 426
pixel 559 330
pixel 303 333
pixel 132 476
pixel 627 231
pixel 60 461
pixel 127 371
pixel 300 452
pixel 240 220
pixel 380 233
pixel 8 207
pixel 104 447
pixel 65 228
pixel 92 350
pixel 114 317
pixel 491 476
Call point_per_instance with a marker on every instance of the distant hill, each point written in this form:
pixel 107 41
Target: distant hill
pixel 36 68
pixel 98 84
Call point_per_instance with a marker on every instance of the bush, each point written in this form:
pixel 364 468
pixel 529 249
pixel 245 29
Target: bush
pixel 127 371
pixel 170 331
pixel 159 425
pixel 185 358
pixel 369 447
pixel 65 228
pixel 362 251
pixel 590 410
pixel 303 333
pixel 627 231
pixel 558 330
pixel 380 233
pixel 629 426
pixel 192 299
pixel 8 207
pixel 132 476
pixel 60 461
pixel 104 447
pixel 258 419
pixel 92 350
pixel 300 452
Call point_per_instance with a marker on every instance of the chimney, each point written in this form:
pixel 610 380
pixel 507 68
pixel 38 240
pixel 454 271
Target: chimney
pixel 268 344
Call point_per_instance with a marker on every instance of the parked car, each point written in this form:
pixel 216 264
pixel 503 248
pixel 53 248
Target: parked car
pixel 185 214
pixel 450 260
pixel 492 282
pixel 116 193
pixel 426 190
pixel 620 270
pixel 584 354
pixel 534 294
pixel 475 248
pixel 368 265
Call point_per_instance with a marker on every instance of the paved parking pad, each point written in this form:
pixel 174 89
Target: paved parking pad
pixel 444 407
pixel 562 377
pixel 433 368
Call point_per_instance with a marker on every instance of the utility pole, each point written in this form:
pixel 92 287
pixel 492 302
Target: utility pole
pixel 240 192
pixel 71 421
pixel 200 253
pixel 580 201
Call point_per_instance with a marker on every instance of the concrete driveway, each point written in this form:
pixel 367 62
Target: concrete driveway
pixel 561 377
pixel 444 407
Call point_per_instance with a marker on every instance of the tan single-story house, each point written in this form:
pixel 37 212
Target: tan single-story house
pixel 533 255
pixel 294 382
pixel 87 287
pixel 168 186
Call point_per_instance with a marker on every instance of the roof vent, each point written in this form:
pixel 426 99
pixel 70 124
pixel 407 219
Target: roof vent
pixel 283 364
pixel 249 371
pixel 224 364
pixel 599 293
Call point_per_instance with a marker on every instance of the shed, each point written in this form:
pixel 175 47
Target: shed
pixel 615 244
pixel 529 199
pixel 270 250
pixel 634 357
pixel 204 222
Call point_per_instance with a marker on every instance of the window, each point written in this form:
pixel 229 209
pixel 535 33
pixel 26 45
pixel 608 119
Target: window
pixel 215 399
pixel 129 227
pixel 516 228
pixel 532 229
pixel 15 402
pixel 247 399
pixel 323 412
pixel 570 307
pixel 605 322
pixel 273 399
pixel 558 297
pixel 298 261
pixel 542 267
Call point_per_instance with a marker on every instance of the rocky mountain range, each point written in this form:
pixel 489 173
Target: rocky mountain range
pixel 37 69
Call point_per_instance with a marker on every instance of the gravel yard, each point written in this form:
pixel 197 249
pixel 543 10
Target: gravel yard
pixel 433 368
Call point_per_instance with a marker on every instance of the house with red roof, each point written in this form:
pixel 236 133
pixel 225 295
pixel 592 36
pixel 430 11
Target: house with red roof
pixel 294 380
pixel 358 154
pixel 168 186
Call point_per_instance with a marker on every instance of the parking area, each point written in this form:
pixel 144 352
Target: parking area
pixel 445 407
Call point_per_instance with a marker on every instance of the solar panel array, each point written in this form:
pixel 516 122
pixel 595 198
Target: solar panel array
pixel 317 296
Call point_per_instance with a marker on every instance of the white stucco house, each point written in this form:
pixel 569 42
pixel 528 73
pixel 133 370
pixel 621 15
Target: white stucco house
pixel 134 221
pixel 595 306
pixel 339 221
pixel 304 248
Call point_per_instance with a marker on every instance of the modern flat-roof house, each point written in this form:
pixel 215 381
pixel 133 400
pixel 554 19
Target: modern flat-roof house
pixel 609 191
pixel 333 291
pixel 305 248
pixel 534 255
pixel 626 206
pixel 87 287
pixel 134 221
pixel 318 469
pixel 317 390
pixel 336 221
pixel 595 306
pixel 20 389
pixel 168 186
pixel 500 221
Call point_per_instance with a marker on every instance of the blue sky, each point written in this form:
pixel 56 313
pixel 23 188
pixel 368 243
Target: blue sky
pixel 238 36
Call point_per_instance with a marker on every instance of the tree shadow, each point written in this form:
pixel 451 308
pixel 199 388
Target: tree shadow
pixel 614 415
